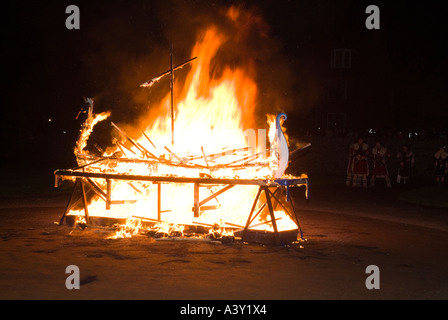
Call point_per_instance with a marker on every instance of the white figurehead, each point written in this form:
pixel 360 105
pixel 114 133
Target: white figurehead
pixel 281 152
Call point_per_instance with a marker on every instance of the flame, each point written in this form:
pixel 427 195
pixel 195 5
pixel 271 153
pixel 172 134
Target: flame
pixel 87 130
pixel 215 108
pixel 131 228
pixel 209 109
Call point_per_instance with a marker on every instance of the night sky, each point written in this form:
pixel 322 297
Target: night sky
pixel 400 71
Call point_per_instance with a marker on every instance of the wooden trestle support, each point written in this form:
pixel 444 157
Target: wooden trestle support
pixel 273 191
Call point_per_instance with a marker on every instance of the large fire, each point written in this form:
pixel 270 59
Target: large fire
pixel 213 137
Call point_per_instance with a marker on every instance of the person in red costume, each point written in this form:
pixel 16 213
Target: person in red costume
pixel 358 168
pixel 380 155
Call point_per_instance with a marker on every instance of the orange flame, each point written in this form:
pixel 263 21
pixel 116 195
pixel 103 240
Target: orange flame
pixel 211 111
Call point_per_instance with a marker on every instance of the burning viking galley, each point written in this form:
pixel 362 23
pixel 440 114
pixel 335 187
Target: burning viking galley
pixel 194 172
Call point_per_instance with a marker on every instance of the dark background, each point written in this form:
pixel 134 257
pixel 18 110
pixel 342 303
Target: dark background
pixel 396 81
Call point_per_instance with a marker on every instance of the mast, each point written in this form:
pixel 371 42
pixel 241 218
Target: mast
pixel 172 94
pixel 170 71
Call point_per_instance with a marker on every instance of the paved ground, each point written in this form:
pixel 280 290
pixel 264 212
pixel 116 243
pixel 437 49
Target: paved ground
pixel 346 230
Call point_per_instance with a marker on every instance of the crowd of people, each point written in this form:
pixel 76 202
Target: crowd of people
pixel 366 165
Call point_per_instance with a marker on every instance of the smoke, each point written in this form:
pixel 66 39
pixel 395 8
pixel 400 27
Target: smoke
pixel 130 44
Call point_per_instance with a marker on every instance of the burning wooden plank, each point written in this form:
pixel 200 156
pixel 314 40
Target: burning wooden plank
pixel 151 82
pixel 127 137
pixel 144 134
pixel 205 156
pixel 174 155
